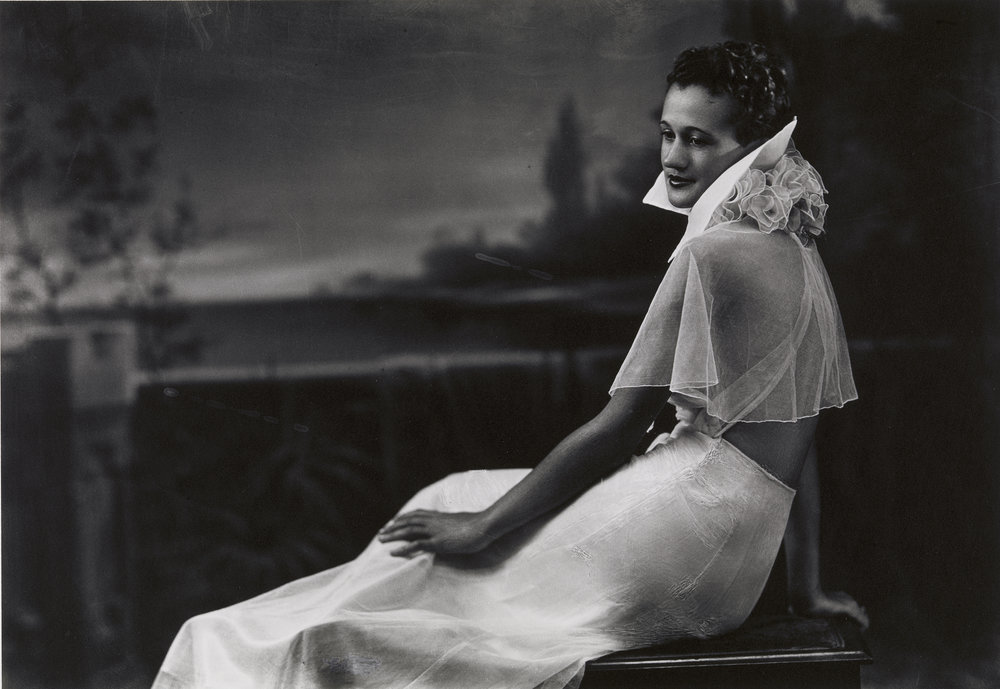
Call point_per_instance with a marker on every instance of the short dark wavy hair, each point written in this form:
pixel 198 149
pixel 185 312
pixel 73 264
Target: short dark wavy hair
pixel 748 72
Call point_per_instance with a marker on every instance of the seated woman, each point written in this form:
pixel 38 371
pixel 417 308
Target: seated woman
pixel 516 578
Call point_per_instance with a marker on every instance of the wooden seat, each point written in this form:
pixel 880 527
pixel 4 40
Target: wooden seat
pixel 772 652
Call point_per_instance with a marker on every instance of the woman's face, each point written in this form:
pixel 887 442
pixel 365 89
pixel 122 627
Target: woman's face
pixel 698 141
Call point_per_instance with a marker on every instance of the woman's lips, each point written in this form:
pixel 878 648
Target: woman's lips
pixel 677 182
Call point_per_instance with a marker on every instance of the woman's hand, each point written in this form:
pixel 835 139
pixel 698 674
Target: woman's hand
pixel 833 604
pixel 436 532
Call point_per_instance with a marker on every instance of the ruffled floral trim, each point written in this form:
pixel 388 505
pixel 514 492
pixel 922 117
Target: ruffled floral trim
pixel 788 197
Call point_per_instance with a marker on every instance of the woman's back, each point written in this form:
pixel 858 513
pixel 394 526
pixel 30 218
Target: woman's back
pixel 761 300
pixel 770 322
pixel 778 447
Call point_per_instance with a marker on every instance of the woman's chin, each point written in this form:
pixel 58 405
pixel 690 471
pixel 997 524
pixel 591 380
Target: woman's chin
pixel 682 197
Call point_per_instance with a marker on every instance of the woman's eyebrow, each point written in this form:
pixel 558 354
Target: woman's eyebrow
pixel 664 123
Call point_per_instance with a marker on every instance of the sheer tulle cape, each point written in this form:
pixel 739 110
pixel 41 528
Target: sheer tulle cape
pixel 746 325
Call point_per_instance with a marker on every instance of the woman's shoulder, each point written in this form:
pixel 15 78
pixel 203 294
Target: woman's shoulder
pixel 740 243
pixel 738 262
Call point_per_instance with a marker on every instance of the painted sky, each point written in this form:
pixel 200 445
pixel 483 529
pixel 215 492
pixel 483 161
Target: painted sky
pixel 328 139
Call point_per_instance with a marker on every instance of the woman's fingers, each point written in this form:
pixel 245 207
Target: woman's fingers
pixel 418 525
pixel 403 532
pixel 413 548
pixel 851 608
pixel 835 604
pixel 858 614
pixel 410 520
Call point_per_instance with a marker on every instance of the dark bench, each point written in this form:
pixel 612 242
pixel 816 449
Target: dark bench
pixel 771 651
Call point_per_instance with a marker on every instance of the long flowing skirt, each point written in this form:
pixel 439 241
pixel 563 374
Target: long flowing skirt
pixel 677 543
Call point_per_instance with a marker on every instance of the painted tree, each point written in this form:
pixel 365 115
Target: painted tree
pixel 565 168
pixel 82 189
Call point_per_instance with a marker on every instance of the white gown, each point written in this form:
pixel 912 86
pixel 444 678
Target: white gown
pixel 677 543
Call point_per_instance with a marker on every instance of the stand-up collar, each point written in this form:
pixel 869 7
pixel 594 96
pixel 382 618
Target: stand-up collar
pixel 763 157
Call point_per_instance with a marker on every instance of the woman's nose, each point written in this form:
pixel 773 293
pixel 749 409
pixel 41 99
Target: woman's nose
pixel 674 156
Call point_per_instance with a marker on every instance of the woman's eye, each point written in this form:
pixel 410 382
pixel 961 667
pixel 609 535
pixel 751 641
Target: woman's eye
pixel 697 141
pixel 669 136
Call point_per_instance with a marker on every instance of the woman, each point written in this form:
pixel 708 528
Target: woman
pixel 516 578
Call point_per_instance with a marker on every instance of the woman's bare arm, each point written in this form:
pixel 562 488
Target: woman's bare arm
pixel 805 591
pixel 580 460
pixel 585 456
pixel 802 536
